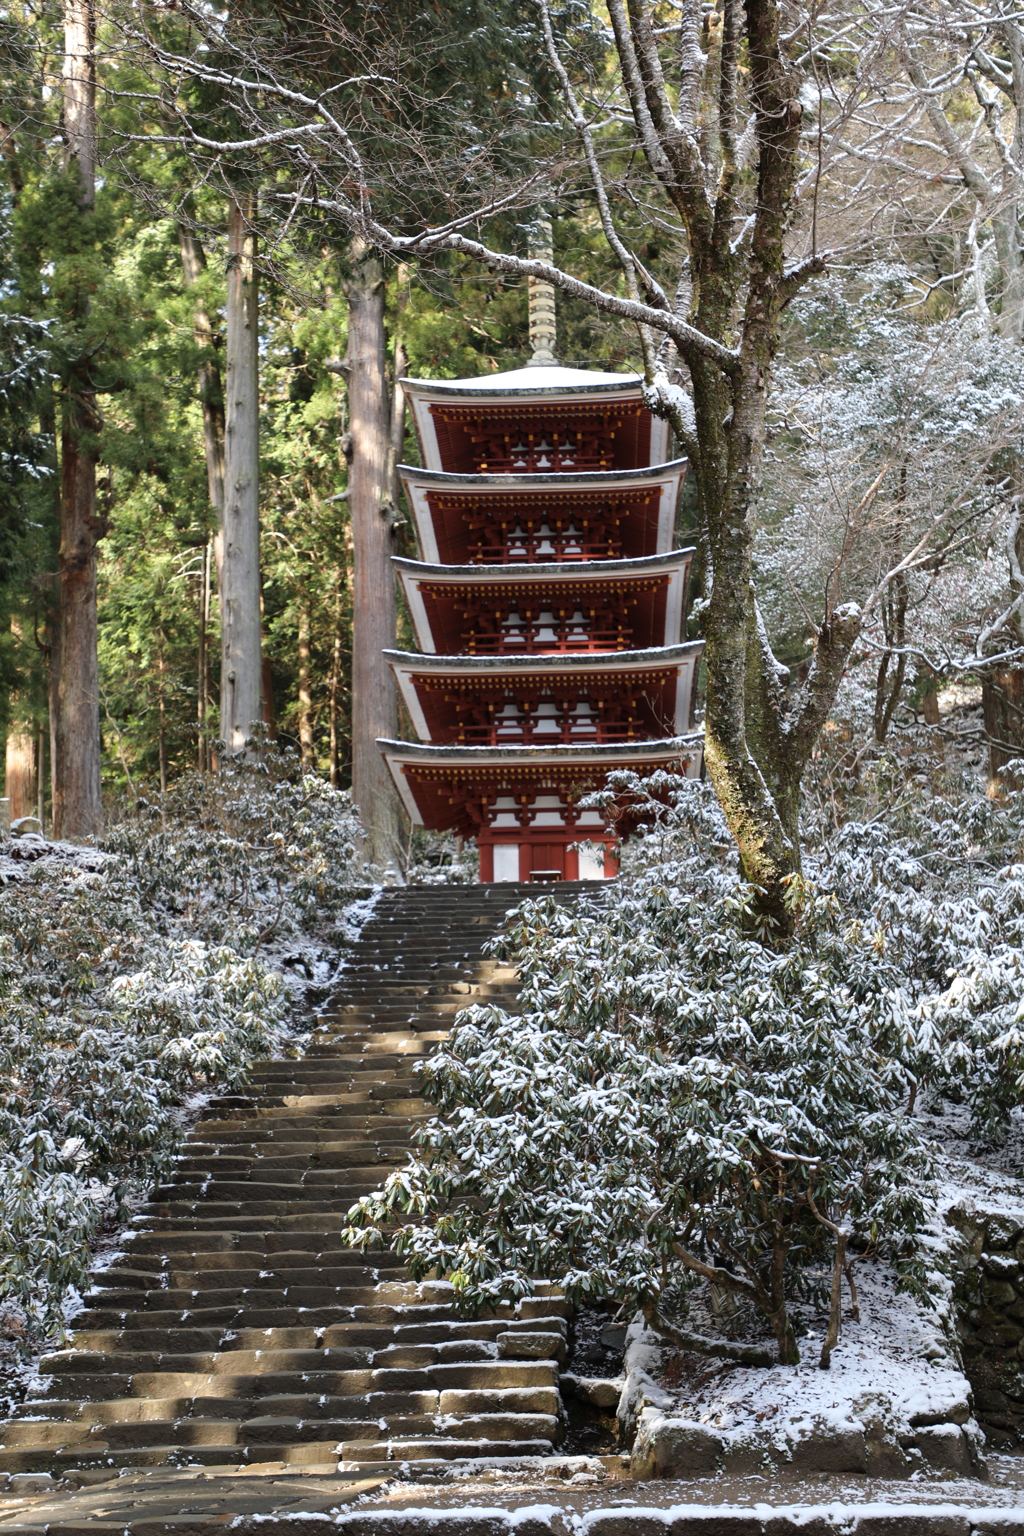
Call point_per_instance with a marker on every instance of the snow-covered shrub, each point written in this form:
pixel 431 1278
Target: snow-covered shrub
pixel 679 1102
pixel 439 858
pixel 135 976
pixel 258 850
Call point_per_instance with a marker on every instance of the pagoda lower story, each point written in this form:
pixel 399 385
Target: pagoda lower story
pixel 521 805
pixel 549 613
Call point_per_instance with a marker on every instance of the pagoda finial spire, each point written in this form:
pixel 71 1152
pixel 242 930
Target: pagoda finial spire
pixel 542 298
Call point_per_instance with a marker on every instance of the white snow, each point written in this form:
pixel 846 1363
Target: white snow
pixel 893 1368
pixel 532 379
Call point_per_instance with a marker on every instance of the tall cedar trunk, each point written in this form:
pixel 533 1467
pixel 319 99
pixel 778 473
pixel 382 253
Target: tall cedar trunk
pixel 211 390
pixel 241 687
pixel 305 690
pixel 374 705
pixel 1003 704
pixel 77 804
pixel 20 782
pixel 202 659
pixel 334 692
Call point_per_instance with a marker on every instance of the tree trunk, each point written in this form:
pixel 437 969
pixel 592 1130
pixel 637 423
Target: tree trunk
pixel 305 691
pixel 202 660
pixel 334 693
pixel 211 390
pixel 268 716
pixel 1002 694
pixel 20 781
pixel 162 719
pixel 241 690
pixel 374 705
pixel 77 802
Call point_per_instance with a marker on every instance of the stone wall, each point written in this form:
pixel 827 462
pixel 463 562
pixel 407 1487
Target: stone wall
pixel 990 1304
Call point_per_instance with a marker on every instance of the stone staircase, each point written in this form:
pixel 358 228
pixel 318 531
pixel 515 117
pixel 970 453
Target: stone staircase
pixel 235 1329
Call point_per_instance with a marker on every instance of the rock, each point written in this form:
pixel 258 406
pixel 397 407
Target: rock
pixel 675 1448
pixel 531 1346
pixel 639 1394
pixel 1005 1336
pixel 946 1448
pixel 24 1484
pixel 86 1477
pixel 999 1293
pixel 598 1391
pixel 26 825
pixel 747 1458
pixel 613 1336
pixel 886 1456
pixel 824 1447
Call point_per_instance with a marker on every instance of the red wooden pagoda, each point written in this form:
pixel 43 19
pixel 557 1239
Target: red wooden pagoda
pixel 548 609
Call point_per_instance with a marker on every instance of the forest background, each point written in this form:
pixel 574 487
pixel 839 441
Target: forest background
pixel 896 406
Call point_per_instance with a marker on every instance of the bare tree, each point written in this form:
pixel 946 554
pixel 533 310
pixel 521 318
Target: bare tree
pixel 968 81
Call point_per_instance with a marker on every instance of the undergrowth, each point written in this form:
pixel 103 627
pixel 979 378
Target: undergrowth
pixel 138 974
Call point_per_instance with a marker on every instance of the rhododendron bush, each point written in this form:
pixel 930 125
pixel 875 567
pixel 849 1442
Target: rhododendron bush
pixel 683 1106
pixel 135 975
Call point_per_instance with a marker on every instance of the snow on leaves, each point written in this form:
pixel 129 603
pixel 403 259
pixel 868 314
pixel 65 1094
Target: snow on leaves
pixel 130 980
pixel 680 1102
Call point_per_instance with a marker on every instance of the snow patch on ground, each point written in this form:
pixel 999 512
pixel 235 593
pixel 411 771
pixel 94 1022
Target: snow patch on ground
pixel 892 1374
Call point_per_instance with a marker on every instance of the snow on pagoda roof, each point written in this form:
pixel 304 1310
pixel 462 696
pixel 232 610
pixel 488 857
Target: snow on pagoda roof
pixel 618 756
pixel 584 661
pixel 531 381
pixel 606 479
pixel 545 571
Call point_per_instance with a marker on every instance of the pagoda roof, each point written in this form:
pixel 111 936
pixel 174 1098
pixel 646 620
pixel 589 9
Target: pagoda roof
pixel 557 571
pixel 430 685
pixel 591 479
pixel 510 666
pixel 484 768
pixel 464 425
pixel 628 512
pixel 656 582
pixel 532 381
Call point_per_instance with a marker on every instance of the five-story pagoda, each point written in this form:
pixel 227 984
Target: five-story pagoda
pixel 549 610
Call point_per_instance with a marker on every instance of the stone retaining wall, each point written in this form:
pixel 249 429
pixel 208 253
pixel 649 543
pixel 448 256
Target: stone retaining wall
pixel 990 1298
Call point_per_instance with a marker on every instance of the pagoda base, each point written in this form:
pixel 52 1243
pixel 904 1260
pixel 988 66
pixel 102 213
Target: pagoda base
pixel 543 854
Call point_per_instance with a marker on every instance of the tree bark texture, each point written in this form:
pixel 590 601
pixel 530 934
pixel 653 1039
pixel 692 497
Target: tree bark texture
pixel 20 784
pixel 374 704
pixel 305 691
pixel 77 802
pixel 211 392
pixel 1002 695
pixel 241 693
